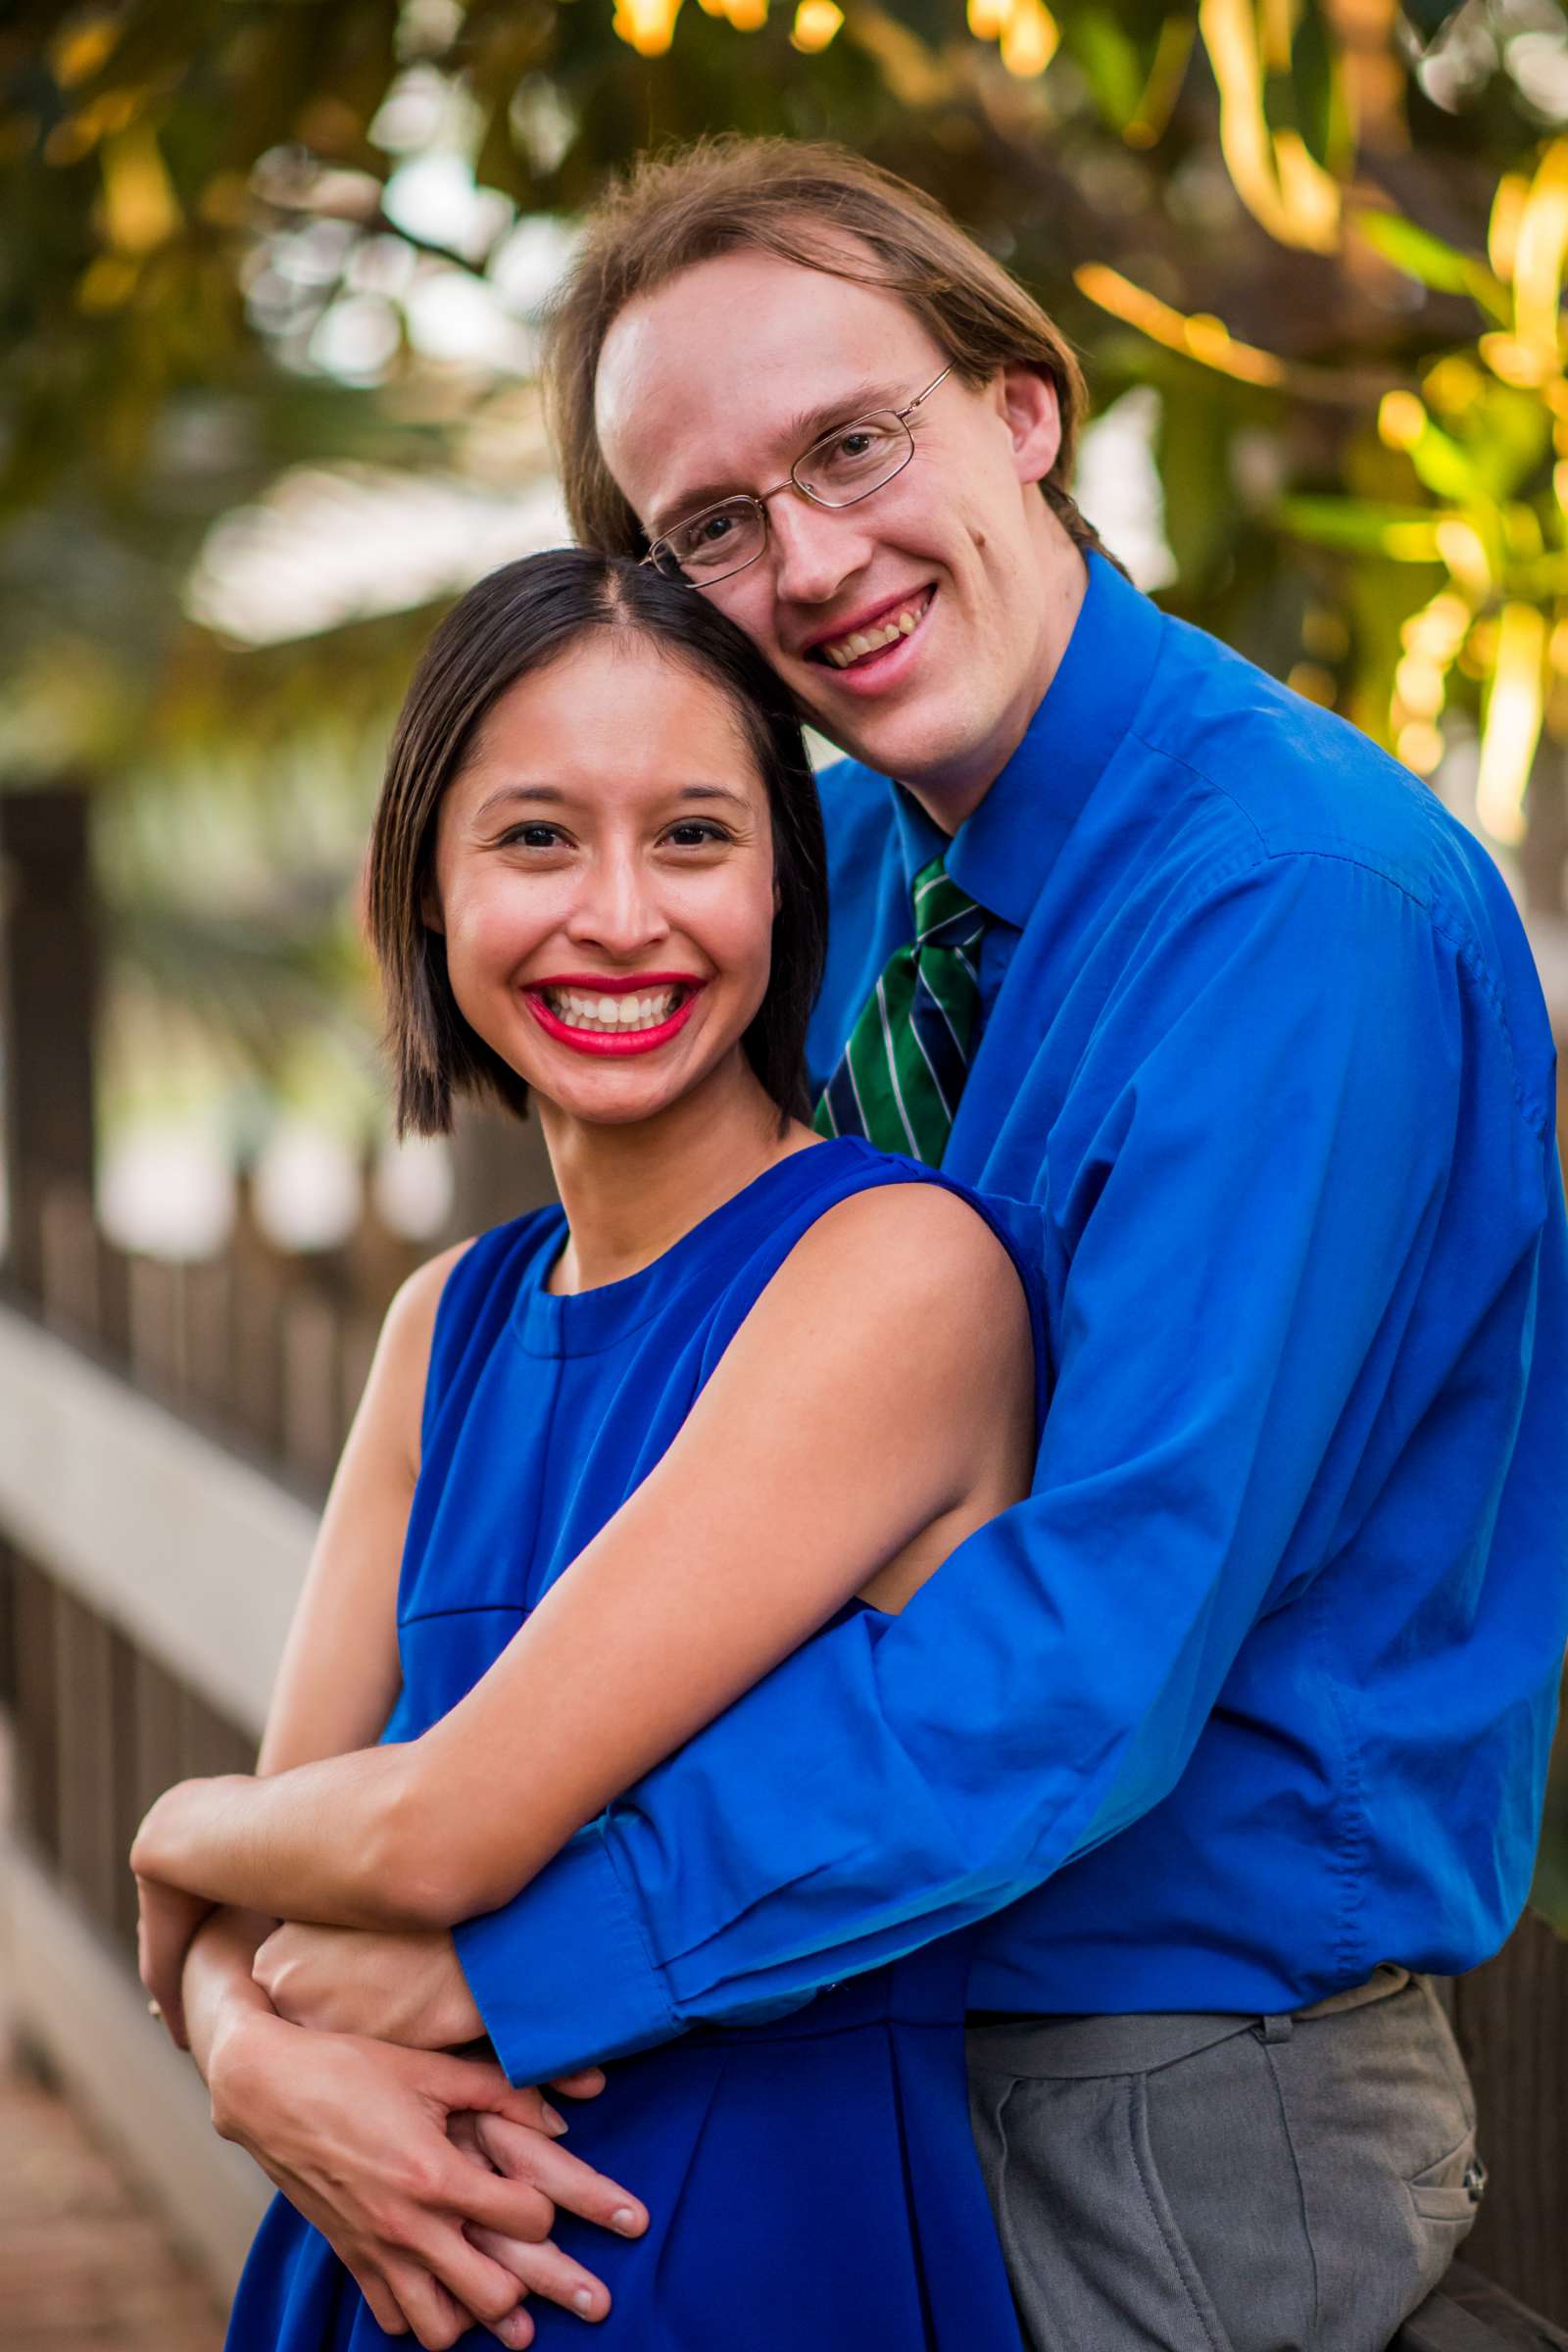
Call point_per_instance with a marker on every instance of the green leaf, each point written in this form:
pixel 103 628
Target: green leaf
pixel 1359 525
pixel 1431 261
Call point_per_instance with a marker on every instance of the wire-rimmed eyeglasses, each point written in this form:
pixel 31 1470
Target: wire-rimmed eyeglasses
pixel 839 468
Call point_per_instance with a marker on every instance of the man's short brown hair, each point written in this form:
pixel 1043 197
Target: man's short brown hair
pixel 825 208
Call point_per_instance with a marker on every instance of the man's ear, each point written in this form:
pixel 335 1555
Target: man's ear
pixel 1033 417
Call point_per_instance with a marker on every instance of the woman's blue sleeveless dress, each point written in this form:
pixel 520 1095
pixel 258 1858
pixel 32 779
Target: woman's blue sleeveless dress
pixel 812 2181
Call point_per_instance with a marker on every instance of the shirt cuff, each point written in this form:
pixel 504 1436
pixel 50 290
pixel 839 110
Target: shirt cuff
pixel 561 1973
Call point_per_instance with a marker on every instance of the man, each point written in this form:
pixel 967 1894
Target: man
pixel 1244 1714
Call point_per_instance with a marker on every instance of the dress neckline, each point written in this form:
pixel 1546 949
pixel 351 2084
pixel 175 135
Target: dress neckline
pixel 582 1322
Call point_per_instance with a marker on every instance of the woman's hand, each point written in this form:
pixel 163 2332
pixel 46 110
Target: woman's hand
pixel 393 1985
pixel 355 2134
pixel 167 1922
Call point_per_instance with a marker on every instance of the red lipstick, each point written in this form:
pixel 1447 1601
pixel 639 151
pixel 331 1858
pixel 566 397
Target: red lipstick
pixel 608 1042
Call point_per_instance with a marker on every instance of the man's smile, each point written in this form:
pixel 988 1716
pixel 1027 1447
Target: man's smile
pixel 873 632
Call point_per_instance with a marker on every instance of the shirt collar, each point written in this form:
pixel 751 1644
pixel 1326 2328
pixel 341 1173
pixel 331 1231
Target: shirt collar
pixel 1003 855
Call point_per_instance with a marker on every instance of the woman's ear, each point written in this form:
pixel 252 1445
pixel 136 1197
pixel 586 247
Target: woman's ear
pixel 431 910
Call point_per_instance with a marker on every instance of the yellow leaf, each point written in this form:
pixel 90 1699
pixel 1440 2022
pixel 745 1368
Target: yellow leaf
pixel 1512 725
pixel 1402 419
pixel 1314 683
pixel 1540 254
pixel 78 52
pixel 815 24
pixel 107 283
pixel 987 19
pixel 1199 337
pixel 647 26
pixel 1029 39
pixel 140 208
pixel 1503 232
pixel 1512 361
pixel 1278 181
pixel 1461 548
pixel 1420 746
pixel 1438 630
pixel 1418 683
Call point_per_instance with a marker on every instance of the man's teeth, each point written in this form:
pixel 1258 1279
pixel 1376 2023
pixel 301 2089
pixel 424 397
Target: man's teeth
pixel 845 650
pixel 581 1008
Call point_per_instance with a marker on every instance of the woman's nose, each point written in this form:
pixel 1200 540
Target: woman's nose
pixel 618 908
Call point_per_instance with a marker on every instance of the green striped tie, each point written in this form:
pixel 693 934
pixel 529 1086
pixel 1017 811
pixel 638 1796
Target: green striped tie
pixel 900 1077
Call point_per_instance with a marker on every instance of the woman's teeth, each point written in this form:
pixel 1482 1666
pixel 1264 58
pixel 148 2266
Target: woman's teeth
pixel 581 1009
pixel 845 650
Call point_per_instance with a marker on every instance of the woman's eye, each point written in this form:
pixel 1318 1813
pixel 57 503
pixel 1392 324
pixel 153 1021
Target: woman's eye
pixel 697 833
pixel 531 837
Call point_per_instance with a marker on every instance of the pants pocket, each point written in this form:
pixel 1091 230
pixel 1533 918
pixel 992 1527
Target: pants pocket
pixel 1095 2253
pixel 1450 2191
pixel 1178 2252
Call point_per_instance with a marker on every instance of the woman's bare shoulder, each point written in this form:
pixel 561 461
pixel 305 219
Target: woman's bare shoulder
pixel 902 1264
pixel 921 1242
pixel 395 1392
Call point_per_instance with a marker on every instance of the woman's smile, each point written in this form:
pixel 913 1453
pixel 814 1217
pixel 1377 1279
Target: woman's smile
pixel 598 1012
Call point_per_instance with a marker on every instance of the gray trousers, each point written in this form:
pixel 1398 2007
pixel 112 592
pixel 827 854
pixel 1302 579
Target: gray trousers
pixel 1222 2183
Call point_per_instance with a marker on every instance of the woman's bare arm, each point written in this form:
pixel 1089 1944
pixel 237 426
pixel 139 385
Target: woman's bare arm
pixel 879 1396
pixel 356 2135
pixel 339 1672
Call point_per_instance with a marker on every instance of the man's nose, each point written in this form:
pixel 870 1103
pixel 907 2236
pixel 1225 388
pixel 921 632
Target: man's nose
pixel 815 549
pixel 617 907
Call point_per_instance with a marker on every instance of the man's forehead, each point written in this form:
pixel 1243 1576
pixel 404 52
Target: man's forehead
pixel 696 379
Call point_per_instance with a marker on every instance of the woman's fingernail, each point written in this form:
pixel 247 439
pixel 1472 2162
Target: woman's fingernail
pixel 623 2219
pixel 555 2120
pixel 582 2301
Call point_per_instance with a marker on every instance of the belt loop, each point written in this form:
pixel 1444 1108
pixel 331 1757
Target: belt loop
pixel 1277 2028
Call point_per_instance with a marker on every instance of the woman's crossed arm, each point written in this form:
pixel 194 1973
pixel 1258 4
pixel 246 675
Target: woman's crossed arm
pixel 876 1406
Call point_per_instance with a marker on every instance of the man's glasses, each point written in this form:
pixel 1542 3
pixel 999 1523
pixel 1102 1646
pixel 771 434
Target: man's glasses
pixel 838 469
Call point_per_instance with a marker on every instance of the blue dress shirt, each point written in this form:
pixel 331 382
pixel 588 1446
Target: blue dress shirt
pixel 1257 1688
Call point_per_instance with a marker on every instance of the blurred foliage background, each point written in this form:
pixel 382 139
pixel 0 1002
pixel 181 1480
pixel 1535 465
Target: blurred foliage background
pixel 271 279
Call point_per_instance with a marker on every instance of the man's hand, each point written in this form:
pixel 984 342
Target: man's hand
pixel 355 2134
pixel 403 1986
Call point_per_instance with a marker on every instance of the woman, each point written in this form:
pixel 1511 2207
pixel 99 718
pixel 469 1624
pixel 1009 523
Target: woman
pixel 596 884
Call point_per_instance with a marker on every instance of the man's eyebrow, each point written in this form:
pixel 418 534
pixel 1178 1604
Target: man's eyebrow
pixel 797 433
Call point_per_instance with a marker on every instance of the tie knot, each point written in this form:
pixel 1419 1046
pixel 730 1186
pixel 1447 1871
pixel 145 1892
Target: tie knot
pixel 943 914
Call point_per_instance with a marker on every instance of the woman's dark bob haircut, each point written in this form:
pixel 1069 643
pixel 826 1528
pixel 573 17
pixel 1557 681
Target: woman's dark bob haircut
pixel 511 624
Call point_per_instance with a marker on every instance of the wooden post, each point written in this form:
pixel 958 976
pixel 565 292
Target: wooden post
pixel 47 1002
pixel 1511 2019
pixel 499 1168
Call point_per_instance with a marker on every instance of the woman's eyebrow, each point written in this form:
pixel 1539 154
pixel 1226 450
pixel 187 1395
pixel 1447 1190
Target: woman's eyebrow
pixel 551 796
pixel 798 433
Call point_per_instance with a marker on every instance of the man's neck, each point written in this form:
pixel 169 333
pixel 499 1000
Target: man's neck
pixel 953 792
